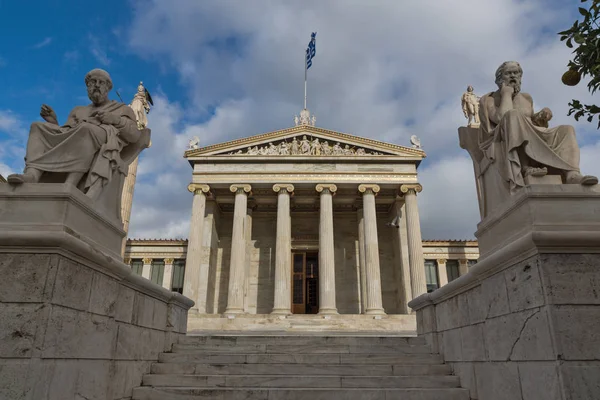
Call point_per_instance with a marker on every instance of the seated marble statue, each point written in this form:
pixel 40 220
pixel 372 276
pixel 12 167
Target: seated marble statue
pixel 519 141
pixel 91 151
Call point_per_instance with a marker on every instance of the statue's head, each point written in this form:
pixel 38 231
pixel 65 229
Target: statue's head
pixel 511 73
pixel 141 87
pixel 98 84
pixel 469 88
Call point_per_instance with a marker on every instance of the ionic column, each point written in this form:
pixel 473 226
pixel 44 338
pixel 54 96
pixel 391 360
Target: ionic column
pixel 463 267
pixel 415 243
pixel 442 272
pixel 326 251
pixel 373 272
pixel 194 251
pixel 146 269
pixel 282 303
pixel 237 275
pixel 168 274
pixel 362 262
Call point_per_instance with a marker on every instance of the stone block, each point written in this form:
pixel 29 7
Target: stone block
pixel 539 380
pixel 159 319
pixel 138 343
pixel 428 319
pixel 476 305
pixel 143 310
pixel 104 295
pixel 497 381
pixel 21 322
pixel 581 382
pixel 125 375
pixel 124 305
pixel 452 313
pixel 73 285
pixel 524 286
pixel 472 343
pixel 94 379
pixel 577 331
pixel 571 278
pixel 495 296
pixel 13 375
pixel 519 336
pixel 26 277
pixel 452 345
pixel 53 380
pixel 466 373
pixel 75 334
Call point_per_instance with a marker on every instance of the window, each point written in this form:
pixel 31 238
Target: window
pixel 178 275
pixel 157 271
pixel 452 270
pixel 137 266
pixel 431 275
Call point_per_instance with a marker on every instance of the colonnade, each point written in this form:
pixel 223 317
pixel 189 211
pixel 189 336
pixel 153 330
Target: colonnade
pixel 196 279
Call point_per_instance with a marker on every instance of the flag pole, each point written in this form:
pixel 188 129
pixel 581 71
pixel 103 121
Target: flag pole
pixel 305 74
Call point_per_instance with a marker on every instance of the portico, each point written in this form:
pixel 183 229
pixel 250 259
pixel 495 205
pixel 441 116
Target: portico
pixel 306 227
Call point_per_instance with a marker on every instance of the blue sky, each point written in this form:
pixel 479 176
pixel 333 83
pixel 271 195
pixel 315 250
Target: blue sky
pixel 226 69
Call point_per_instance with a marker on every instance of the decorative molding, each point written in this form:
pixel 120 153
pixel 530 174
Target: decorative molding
pixel 368 187
pixel 198 188
pixel 127 261
pixel 326 188
pixel 169 261
pixel 240 188
pixel 411 187
pixel 441 261
pixel 147 261
pixel 343 176
pixel 283 187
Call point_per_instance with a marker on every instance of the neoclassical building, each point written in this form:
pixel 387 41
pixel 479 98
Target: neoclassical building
pixel 303 224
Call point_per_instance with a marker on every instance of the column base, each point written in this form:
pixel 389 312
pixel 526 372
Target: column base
pixel 234 311
pixel 281 311
pixel 375 311
pixel 328 311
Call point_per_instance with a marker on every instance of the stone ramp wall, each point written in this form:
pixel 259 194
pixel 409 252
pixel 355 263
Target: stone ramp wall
pixel 530 330
pixel 74 329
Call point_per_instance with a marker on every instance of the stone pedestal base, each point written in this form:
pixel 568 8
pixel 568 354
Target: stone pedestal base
pixel 76 323
pixel 524 322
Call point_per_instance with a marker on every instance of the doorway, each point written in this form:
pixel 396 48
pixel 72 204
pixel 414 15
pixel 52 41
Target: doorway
pixel 305 282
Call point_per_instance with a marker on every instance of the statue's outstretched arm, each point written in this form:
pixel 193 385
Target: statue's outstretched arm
pixel 48 114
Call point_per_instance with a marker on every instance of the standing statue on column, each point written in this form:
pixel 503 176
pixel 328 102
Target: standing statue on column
pixel 470 107
pixel 141 105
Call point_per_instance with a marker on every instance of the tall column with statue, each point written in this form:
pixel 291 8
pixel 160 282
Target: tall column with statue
pixel 141 106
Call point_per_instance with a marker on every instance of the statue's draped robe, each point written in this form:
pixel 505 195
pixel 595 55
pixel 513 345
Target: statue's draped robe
pixel 555 148
pixel 86 145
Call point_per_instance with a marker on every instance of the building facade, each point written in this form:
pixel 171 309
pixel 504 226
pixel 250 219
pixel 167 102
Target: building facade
pixel 302 222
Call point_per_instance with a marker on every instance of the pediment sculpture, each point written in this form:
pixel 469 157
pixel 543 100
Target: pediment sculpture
pixel 92 150
pixel 514 146
pixel 308 147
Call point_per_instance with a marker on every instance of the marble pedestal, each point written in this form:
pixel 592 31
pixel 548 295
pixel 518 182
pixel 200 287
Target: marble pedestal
pixel 524 322
pixel 76 322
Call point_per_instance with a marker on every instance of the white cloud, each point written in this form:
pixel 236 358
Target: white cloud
pixel 9 122
pixel 384 70
pixel 98 50
pixel 5 170
pixel 43 43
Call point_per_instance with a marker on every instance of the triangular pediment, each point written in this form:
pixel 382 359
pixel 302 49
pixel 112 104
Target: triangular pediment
pixel 307 141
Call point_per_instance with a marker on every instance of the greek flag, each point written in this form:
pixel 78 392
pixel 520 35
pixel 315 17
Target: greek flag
pixel 311 50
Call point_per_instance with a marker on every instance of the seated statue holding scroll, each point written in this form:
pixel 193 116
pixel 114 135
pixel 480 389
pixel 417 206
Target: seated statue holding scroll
pixel 519 142
pixel 91 151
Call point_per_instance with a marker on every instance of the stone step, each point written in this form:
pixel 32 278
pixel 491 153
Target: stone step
pixel 300 369
pixel 223 358
pixel 186 393
pixel 308 348
pixel 297 381
pixel 299 340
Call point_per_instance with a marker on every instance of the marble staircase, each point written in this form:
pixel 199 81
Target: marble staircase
pixel 295 367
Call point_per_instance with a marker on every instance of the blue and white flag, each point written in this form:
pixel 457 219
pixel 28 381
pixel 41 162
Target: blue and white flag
pixel 311 50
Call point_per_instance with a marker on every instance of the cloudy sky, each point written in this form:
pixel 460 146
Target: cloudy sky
pixel 228 69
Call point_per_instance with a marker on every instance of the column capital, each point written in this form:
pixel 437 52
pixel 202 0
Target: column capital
pixel 240 188
pixel 283 188
pixel 169 261
pixel 410 187
pixel 127 261
pixel 326 187
pixel 442 261
pixel 463 261
pixel 198 188
pixel 369 188
pixel 147 261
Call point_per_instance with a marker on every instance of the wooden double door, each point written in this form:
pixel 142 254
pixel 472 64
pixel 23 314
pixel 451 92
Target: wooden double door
pixel 305 282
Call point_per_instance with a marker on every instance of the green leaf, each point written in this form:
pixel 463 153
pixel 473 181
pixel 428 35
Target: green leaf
pixel 583 11
pixel 569 43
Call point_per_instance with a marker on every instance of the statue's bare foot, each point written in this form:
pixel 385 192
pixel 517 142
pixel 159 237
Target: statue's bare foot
pixel 533 171
pixel 576 178
pixel 17 179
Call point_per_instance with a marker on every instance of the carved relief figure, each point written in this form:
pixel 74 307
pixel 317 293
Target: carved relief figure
pixel 305 145
pixel 337 149
pixel 93 148
pixel 470 107
pixel 295 146
pixel 315 147
pixel 518 141
pixel 325 149
pixel 284 149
